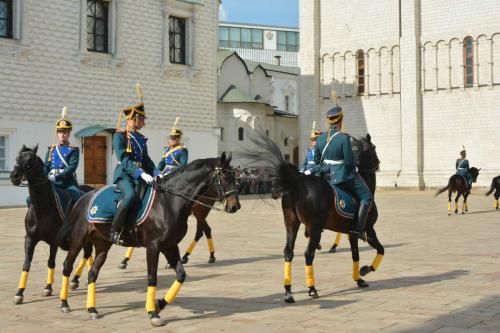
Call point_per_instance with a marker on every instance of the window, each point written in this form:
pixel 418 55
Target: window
pixel 288 41
pixel 240 134
pixel 6 18
pixel 287 103
pixel 468 62
pixel 360 70
pixel 285 142
pixel 97 25
pixel 3 153
pixel 267 132
pixel 246 38
pixel 287 157
pixel 177 40
pixel 222 134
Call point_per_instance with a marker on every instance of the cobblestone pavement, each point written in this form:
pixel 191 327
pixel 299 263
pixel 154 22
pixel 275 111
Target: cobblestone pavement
pixel 440 274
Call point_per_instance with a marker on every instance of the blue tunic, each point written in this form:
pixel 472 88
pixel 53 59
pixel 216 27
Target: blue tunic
pixel 173 157
pixel 309 163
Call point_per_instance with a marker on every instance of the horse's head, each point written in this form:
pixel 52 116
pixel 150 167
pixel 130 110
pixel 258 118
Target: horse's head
pixel 365 154
pixel 28 165
pixel 474 172
pixel 224 181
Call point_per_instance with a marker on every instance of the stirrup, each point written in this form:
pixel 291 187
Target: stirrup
pixel 114 237
pixel 360 235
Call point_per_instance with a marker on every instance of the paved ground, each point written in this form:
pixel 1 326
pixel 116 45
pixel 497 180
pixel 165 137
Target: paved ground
pixel 440 274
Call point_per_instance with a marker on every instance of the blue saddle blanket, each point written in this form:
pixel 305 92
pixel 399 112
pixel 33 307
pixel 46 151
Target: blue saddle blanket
pixel 102 206
pixel 345 204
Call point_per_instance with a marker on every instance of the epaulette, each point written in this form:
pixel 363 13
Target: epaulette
pixel 74 147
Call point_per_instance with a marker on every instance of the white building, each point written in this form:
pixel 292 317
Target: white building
pixel 421 76
pixel 88 55
pixel 253 96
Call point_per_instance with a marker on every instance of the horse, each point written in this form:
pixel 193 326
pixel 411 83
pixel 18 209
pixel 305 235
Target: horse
pixel 43 219
pixel 495 186
pixel 161 232
pixel 200 211
pixel 309 200
pixel 458 184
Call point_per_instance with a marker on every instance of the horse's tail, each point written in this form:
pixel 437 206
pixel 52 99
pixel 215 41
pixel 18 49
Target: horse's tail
pixel 492 187
pixel 441 190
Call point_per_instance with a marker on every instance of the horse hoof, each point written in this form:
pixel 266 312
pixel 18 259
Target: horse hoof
pixel 333 249
pixel 364 270
pixel 449 214
pixel 18 299
pixel 74 285
pixel 362 283
pixel 184 260
pixel 156 322
pixel 93 315
pixel 289 299
pixel 463 213
pixel 47 292
pixel 211 260
pixel 313 292
pixel 122 265
pixel 65 309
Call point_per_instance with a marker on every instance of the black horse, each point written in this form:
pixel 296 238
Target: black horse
pixel 161 232
pixel 310 200
pixel 43 218
pixel 495 186
pixel 458 184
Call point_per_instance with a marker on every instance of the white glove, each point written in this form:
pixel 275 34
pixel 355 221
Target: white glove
pixel 147 178
pixel 160 176
pixel 52 177
pixel 307 172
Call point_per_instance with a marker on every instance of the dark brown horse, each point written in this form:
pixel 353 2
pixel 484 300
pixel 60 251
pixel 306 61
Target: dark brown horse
pixel 161 232
pixel 43 218
pixel 458 184
pixel 310 200
pixel 495 186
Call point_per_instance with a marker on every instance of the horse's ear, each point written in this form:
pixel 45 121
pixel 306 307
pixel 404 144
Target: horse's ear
pixel 223 158
pixel 35 148
pixel 478 169
pixel 230 157
pixel 23 148
pixel 369 137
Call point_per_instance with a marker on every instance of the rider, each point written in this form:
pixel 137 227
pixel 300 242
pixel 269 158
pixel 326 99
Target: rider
pixel 134 163
pixel 333 154
pixel 462 166
pixel 175 155
pixel 309 160
pixel 61 160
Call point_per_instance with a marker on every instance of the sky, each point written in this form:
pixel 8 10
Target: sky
pixel 265 12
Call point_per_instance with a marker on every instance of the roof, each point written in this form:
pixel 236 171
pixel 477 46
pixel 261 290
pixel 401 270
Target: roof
pixel 259 26
pixel 92 130
pixel 285 114
pixel 235 95
pixel 192 2
pixel 224 54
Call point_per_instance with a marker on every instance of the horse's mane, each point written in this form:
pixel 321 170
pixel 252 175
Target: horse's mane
pixel 178 178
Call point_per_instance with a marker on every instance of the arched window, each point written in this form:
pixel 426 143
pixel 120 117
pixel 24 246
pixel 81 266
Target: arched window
pixel 468 62
pixel 240 134
pixel 287 103
pixel 285 142
pixel 360 71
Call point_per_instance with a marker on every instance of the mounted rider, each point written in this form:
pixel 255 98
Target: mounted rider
pixel 309 164
pixel 333 154
pixel 61 160
pixel 175 154
pixel 462 167
pixel 134 163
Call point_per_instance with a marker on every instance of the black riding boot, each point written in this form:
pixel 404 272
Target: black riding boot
pixel 359 231
pixel 116 227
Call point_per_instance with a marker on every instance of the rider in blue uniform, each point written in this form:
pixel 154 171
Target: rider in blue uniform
pixel 462 166
pixel 134 164
pixel 61 160
pixel 309 164
pixel 175 154
pixel 333 154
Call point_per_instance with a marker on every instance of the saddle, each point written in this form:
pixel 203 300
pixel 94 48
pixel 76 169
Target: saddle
pixel 103 204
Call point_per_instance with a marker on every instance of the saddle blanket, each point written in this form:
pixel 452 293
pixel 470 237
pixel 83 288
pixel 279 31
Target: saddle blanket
pixel 345 204
pixel 102 206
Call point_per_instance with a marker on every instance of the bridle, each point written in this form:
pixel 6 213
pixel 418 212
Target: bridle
pixel 33 181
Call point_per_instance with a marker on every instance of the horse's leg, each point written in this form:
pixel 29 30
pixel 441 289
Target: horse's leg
pixel 449 202
pixel 456 202
pixel 208 233
pixel 51 264
pixel 173 257
pixel 87 257
pixel 374 242
pixel 73 251
pixel 497 195
pixel 355 262
pixel 152 256
pixel 101 252
pixel 29 250
pixel 292 225
pixel 464 204
pixel 333 249
pixel 314 239
pixel 197 237
pixel 127 257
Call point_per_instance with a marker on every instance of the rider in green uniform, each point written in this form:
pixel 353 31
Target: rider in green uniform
pixel 462 167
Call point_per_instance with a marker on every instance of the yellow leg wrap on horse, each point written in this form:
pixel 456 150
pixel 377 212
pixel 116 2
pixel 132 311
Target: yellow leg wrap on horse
pixel 466 206
pixel 355 271
pixel 456 205
pixel 90 262
pixel 172 292
pixel 91 295
pixel 376 262
pixel 337 238
pixel 191 246
pixel 210 245
pixel 287 281
pixel 50 276
pixel 23 280
pixel 80 267
pixel 150 299
pixel 64 288
pixel 449 206
pixel 309 276
pixel 130 250
pixel 495 204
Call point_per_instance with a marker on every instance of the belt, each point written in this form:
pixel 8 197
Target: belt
pixel 137 164
pixel 310 163
pixel 461 169
pixel 333 162
pixel 55 171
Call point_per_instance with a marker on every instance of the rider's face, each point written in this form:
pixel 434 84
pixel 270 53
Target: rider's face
pixel 137 122
pixel 173 140
pixel 63 136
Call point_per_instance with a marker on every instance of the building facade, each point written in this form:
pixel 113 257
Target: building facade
pixel 88 55
pixel 421 76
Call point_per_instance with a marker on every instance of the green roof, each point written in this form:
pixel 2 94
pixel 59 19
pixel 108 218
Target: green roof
pixel 92 130
pixel 192 2
pixel 235 95
pixel 223 54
